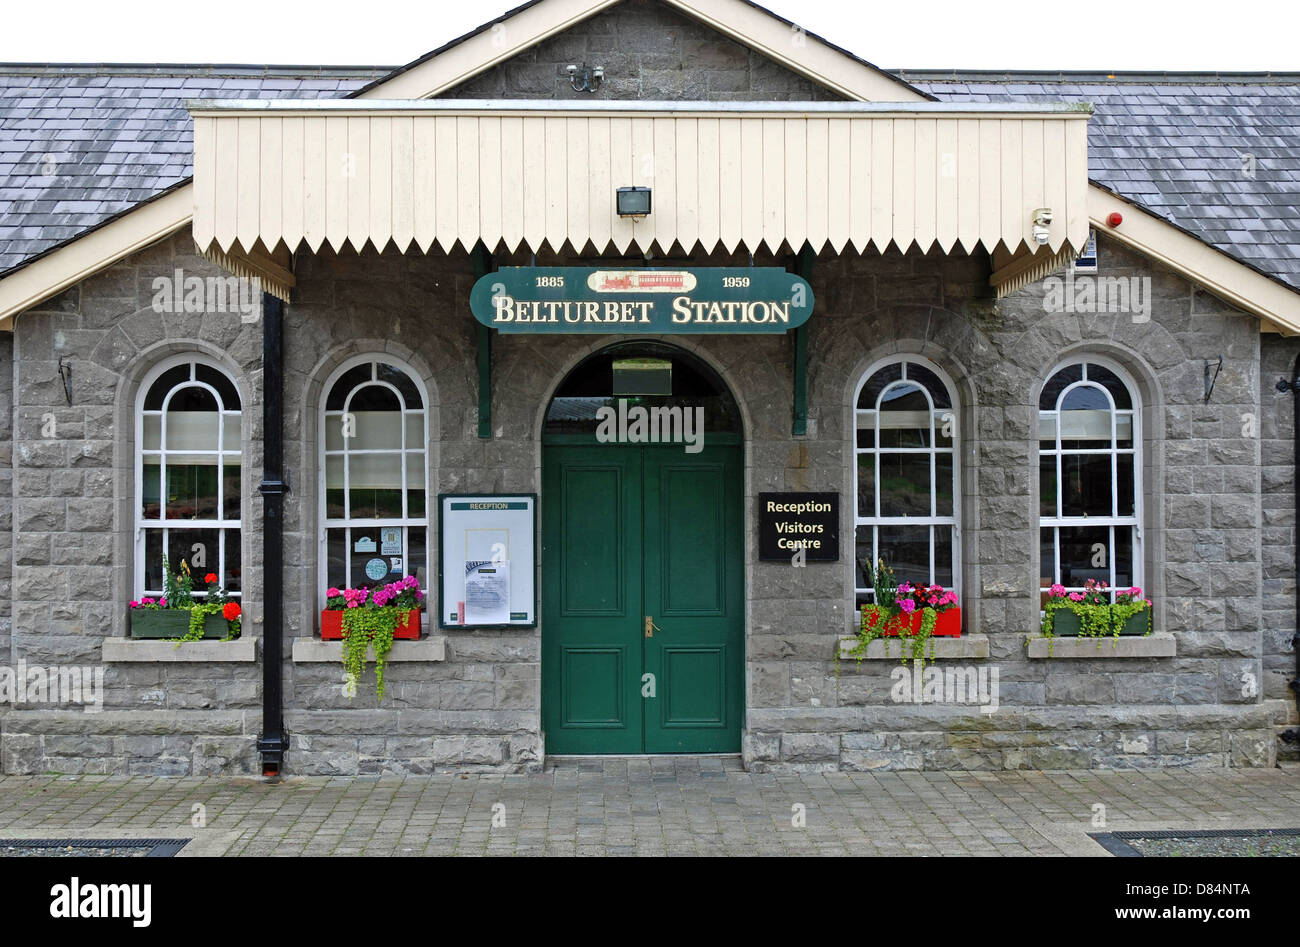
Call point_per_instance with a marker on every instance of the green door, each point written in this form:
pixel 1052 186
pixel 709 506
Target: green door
pixel 630 533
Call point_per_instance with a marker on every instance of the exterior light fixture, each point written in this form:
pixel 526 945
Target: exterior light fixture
pixel 586 79
pixel 1042 219
pixel 633 202
pixel 1114 218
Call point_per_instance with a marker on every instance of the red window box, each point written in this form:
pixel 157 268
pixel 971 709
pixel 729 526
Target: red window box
pixel 947 623
pixel 331 625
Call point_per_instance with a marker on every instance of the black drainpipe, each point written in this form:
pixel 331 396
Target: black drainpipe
pixel 1293 385
pixel 274 741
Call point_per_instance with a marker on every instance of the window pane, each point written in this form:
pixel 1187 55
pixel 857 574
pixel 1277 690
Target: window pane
pixel 906 549
pixel 415 430
pixel 905 485
pixel 876 384
pixel 192 490
pixel 168 380
pixel 1087 484
pixel 1057 384
pixel 153 554
pixel 943 484
pixel 1124 485
pixel 1047 557
pixel 336 558
pixel 938 391
pixel 417 555
pixel 373 398
pixel 234 578
pixel 150 504
pixel 1124 431
pixel 375 430
pixel 943 556
pixel 1123 557
pixel 152 432
pixel 402 382
pixel 415 484
pixel 1047 432
pixel 225 387
pixel 945 425
pixel 334 508
pixel 864 560
pixel 334 439
pixel 230 492
pixel 905 417
pixel 368 538
pixel 199 547
pixel 1047 485
pixel 866 429
pixel 375 471
pixel 1085 554
pixel 1086 398
pixel 866 485
pixel 232 440
pixel 1110 381
pixel 347 381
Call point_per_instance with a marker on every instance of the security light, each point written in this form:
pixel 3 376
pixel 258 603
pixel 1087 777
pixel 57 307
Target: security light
pixel 633 201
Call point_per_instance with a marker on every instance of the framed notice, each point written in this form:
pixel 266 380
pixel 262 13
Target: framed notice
pixel 804 524
pixel 487 564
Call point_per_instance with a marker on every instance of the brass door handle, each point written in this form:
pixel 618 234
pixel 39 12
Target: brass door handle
pixel 651 627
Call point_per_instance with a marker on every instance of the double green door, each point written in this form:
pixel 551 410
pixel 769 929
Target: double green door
pixel 642 599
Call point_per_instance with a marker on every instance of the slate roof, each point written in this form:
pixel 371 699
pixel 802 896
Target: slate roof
pixel 1217 154
pixel 1180 144
pixel 79 144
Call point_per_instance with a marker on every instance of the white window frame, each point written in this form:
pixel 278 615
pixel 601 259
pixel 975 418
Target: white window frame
pixel 221 524
pixel 350 523
pixel 933 520
pixel 1055 523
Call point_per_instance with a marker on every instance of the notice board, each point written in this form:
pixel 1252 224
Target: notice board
pixel 487 560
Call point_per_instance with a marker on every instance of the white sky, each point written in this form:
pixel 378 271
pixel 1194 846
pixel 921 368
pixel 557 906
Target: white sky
pixel 1255 35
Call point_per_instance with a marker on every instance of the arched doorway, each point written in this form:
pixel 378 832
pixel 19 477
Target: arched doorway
pixel 642 557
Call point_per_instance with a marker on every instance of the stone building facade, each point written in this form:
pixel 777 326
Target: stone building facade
pixel 1217 486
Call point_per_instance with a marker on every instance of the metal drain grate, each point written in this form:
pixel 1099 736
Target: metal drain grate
pixel 1117 842
pixel 157 847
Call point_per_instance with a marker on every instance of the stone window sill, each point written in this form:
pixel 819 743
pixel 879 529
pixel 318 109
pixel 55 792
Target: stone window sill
pixel 1160 644
pixel 135 650
pixel 313 650
pixel 965 648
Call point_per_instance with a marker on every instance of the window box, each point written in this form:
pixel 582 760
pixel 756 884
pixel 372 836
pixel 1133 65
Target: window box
pixel 331 625
pixel 947 624
pixel 1066 624
pixel 173 623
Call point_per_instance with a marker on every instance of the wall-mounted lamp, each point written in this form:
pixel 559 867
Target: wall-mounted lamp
pixel 1042 220
pixel 633 202
pixel 585 79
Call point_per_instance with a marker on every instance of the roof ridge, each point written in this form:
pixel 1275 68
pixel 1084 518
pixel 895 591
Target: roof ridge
pixel 163 69
pixel 1118 76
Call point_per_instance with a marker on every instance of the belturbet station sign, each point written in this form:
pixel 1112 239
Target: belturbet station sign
pixel 611 379
pixel 660 301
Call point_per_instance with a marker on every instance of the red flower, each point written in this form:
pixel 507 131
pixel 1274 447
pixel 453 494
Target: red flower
pixel 230 611
pixel 210 579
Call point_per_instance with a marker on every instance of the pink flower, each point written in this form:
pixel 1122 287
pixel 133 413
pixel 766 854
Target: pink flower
pixel 135 604
pixel 1056 591
pixel 907 605
pixel 1076 596
pixel 1135 592
pixel 333 593
pixel 162 602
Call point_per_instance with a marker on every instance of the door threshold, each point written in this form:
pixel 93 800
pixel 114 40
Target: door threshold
pixel 580 757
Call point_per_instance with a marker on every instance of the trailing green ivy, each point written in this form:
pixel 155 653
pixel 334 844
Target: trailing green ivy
pixel 362 628
pixel 877 620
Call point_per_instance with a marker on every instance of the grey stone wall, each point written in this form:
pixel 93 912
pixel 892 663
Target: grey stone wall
pixel 648 51
pixel 7 367
pixel 1277 427
pixel 73 519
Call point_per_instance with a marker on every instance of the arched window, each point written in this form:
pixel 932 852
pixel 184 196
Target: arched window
pixel 1090 477
pixel 188 488
pixel 906 477
pixel 375 519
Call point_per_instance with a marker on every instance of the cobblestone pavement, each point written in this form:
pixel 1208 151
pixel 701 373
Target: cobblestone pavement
pixel 650 806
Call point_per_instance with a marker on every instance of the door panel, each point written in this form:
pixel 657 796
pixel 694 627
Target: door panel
pixel 694 592
pixel 591 601
pixel 630 532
